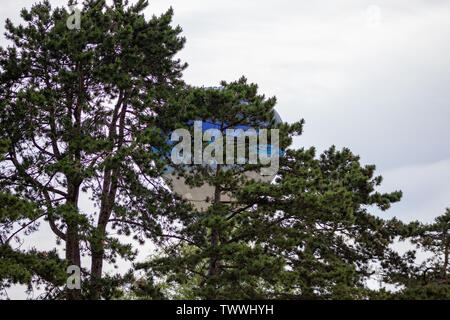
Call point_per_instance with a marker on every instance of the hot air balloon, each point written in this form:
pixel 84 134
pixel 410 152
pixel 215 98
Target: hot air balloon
pixel 198 196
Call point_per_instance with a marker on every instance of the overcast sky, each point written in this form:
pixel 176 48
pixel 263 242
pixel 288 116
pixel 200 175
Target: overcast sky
pixel 373 76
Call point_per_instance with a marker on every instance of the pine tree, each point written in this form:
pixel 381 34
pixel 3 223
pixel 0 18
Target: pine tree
pixel 18 266
pixel 79 109
pixel 88 113
pixel 428 279
pixel 307 236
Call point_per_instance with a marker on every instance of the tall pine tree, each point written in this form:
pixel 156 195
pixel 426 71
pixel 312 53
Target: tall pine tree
pixel 309 235
pixel 78 108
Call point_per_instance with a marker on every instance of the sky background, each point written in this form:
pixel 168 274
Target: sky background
pixel 373 76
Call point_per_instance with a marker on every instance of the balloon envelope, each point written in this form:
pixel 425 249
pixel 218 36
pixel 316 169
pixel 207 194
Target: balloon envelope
pixel 198 196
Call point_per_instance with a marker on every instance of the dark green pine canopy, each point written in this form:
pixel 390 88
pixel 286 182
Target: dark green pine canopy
pixel 82 112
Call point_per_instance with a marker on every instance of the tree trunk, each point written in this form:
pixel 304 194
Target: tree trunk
pixel 73 241
pixel 109 191
pixel 214 260
pixel 97 264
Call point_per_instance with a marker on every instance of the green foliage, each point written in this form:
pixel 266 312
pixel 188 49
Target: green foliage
pixel 16 266
pixel 32 267
pixel 308 236
pixel 80 111
pixel 87 113
pixel 428 279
